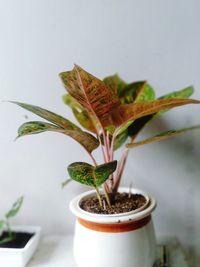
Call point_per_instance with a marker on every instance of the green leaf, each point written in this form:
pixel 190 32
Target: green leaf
pixel 138 124
pixel 88 141
pixel 146 93
pixel 6 240
pixel 115 83
pixel 87 174
pixel 15 208
pixel 184 93
pixel 121 139
pixel 83 117
pixel 71 102
pixel 49 116
pixel 66 182
pixel 35 127
pixel 137 92
pixel 82 172
pixel 102 172
pixel 85 120
pixel 2 223
pixel 162 136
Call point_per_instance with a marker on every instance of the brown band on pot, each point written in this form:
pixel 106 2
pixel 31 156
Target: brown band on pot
pixel 115 227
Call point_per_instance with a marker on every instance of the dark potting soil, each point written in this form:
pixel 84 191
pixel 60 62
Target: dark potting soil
pixel 19 241
pixel 124 202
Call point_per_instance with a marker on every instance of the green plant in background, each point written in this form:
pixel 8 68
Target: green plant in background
pixel 5 222
pixel 112 114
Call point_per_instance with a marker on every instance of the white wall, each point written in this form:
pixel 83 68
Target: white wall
pixel 154 40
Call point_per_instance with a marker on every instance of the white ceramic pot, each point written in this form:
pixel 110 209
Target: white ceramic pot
pixel 19 257
pixel 122 240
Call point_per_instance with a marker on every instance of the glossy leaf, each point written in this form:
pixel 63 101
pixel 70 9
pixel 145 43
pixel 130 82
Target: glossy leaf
pixel 82 172
pixel 91 93
pixel 102 172
pixel 49 116
pixel 88 141
pixel 161 136
pixel 127 112
pixel 89 175
pixel 15 208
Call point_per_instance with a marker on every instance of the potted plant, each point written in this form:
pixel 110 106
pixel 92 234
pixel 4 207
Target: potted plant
pixel 114 225
pixel 17 243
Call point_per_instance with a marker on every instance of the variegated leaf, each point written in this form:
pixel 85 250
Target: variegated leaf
pixel 91 93
pixel 137 92
pixel 85 120
pixel 146 93
pixel 103 171
pixel 82 172
pixel 48 115
pixel 87 174
pixel 138 124
pixel 127 112
pixel 162 136
pixel 35 127
pixel 115 83
pixel 83 117
pixel 88 141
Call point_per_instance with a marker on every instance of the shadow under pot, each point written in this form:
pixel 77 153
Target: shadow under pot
pixel 124 239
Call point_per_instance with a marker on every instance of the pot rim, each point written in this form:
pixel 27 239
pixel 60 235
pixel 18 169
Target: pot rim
pixel 134 215
pixel 35 230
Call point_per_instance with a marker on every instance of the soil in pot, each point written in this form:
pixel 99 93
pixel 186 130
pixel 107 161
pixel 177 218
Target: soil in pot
pixel 19 241
pixel 124 202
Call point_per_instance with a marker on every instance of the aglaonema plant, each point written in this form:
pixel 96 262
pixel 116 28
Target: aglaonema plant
pixel 5 222
pixel 112 113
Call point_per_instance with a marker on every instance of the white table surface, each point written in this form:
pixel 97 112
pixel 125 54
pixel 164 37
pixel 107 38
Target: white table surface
pixel 56 251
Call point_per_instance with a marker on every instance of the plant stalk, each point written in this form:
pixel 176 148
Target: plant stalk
pixel 99 197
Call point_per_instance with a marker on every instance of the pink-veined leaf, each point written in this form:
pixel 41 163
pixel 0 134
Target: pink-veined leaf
pixel 124 113
pixel 91 93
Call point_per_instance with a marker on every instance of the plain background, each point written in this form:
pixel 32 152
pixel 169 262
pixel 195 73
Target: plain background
pixel 154 40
